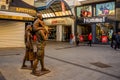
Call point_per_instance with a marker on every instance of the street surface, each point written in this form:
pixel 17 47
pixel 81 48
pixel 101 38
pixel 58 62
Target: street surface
pixel 65 61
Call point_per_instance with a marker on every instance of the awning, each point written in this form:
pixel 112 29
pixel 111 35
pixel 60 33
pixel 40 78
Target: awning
pixel 55 8
pixel 16 16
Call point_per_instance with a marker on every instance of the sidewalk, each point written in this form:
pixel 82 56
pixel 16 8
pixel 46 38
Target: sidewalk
pixel 66 62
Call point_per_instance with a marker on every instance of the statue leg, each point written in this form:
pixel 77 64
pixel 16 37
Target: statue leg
pixel 42 60
pixel 35 66
pixel 25 58
pixel 31 63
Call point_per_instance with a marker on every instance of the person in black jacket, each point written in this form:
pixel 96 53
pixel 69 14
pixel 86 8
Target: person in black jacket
pixel 117 40
pixel 113 39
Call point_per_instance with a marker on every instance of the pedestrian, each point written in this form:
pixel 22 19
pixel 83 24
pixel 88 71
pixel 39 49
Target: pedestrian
pixel 29 55
pixel 113 39
pixel 77 39
pixel 42 34
pixel 71 38
pixel 117 40
pixel 90 39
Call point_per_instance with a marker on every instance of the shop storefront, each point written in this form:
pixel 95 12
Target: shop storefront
pixel 56 14
pixel 95 18
pixel 12 23
pixel 60 28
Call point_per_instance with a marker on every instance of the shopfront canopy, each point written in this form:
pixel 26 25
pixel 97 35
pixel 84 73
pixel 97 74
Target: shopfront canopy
pixel 15 16
pixel 55 8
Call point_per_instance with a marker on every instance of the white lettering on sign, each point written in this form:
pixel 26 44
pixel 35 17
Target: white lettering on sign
pixel 94 20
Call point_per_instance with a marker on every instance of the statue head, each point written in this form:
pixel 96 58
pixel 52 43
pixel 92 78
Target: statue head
pixel 29 28
pixel 39 15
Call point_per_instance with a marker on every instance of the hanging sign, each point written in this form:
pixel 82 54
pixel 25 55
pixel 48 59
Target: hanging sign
pixel 63 6
pixel 94 19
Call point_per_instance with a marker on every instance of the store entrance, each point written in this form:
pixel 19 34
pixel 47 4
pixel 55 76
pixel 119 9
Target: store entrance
pixel 52 33
pixel 66 33
pixel 86 29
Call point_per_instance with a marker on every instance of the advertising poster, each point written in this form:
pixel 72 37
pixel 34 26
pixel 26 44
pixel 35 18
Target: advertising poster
pixel 84 11
pixel 105 9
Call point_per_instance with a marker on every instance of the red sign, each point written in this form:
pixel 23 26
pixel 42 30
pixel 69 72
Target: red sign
pixel 81 38
pixel 58 22
pixel 104 39
pixel 63 6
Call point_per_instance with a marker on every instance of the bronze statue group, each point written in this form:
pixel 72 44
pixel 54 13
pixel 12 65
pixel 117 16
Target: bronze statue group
pixel 41 32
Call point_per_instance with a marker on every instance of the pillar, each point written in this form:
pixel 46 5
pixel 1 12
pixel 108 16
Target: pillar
pixel 59 33
pixel 94 33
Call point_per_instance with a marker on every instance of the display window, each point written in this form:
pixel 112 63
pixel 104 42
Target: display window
pixel 105 9
pixel 52 32
pixel 84 11
pixel 104 29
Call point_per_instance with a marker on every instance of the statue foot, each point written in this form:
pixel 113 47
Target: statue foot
pixel 24 66
pixel 36 73
pixel 44 69
pixel 40 72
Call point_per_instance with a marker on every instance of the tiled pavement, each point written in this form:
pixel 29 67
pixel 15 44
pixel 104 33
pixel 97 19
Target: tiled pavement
pixel 65 61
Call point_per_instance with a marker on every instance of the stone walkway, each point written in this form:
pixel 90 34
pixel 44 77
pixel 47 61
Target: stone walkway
pixel 66 62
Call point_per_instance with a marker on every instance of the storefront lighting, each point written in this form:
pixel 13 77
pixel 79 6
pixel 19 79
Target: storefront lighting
pixel 45 15
pixel 48 15
pixel 63 13
pixel 67 13
pixel 57 14
pixel 60 13
pixel 51 14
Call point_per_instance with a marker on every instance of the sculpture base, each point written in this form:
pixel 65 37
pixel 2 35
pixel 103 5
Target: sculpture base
pixel 27 67
pixel 39 73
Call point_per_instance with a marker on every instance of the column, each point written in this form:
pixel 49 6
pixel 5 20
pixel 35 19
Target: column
pixel 73 30
pixel 94 33
pixel 59 33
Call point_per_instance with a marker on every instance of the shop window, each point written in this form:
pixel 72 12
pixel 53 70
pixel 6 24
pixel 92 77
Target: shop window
pixel 52 32
pixel 105 9
pixel 104 29
pixel 84 11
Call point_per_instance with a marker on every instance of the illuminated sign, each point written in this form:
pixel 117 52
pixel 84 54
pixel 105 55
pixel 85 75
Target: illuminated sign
pixel 16 17
pixel 118 13
pixel 94 20
pixel 58 22
pixel 63 6
pixel 23 10
pixel 84 11
pixel 105 9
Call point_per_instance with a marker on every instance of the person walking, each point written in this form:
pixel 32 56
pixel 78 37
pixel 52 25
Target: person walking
pixel 77 39
pixel 117 40
pixel 90 39
pixel 71 38
pixel 29 55
pixel 113 39
pixel 42 34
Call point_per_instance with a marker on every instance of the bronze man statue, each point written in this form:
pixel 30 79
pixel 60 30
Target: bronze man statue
pixel 29 56
pixel 41 34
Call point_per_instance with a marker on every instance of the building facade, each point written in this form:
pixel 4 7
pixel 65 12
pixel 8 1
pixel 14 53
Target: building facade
pixel 13 16
pixel 98 18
